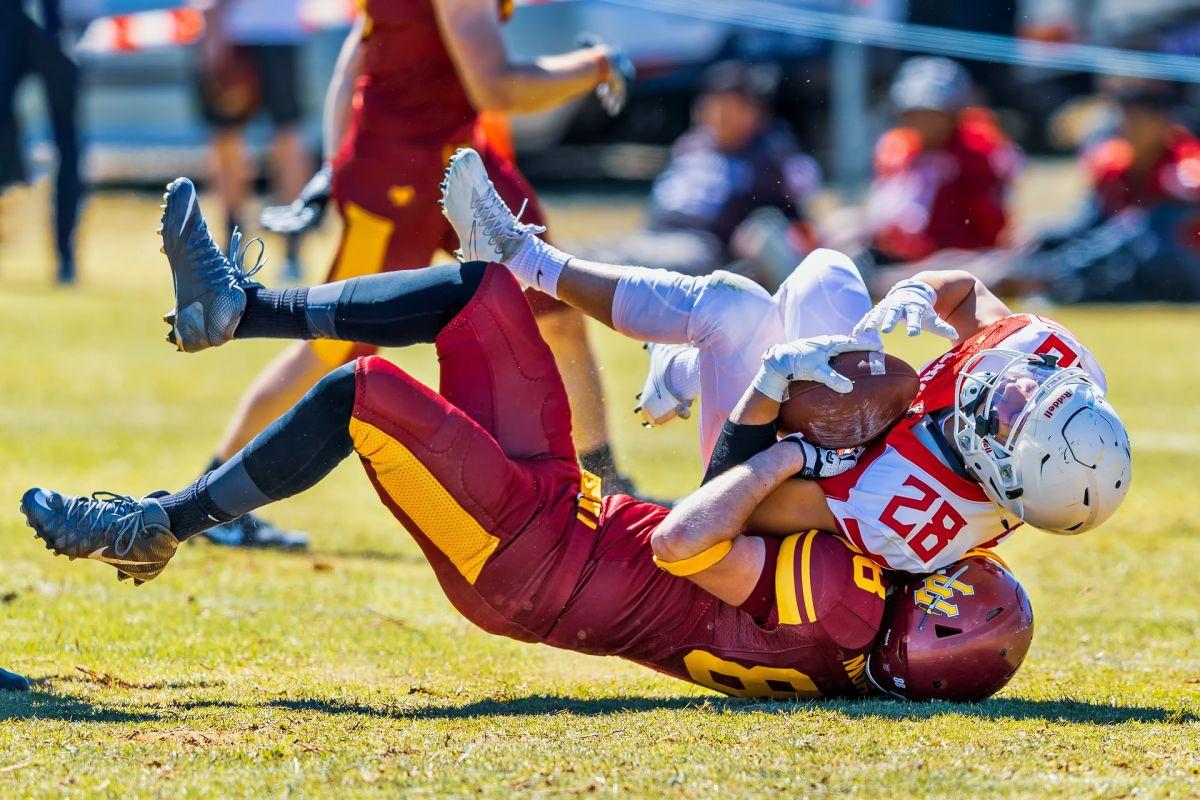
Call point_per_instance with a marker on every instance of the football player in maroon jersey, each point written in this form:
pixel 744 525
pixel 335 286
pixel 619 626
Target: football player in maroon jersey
pixel 409 87
pixel 483 474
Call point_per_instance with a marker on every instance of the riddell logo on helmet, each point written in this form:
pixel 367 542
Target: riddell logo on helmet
pixel 1058 401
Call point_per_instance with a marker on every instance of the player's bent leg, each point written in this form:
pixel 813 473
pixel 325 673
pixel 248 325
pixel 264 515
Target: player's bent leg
pixel 730 318
pixel 495 529
pixel 497 368
pixel 824 295
pixel 139 537
pixel 564 330
pixel 495 364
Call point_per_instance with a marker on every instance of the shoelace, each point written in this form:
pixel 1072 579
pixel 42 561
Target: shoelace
pixel 216 270
pixel 498 221
pixel 99 510
pixel 242 276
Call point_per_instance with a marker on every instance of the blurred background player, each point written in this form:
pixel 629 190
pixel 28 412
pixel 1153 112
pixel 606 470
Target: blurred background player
pixel 732 195
pixel 408 88
pixel 942 176
pixel 29 46
pixel 1138 236
pixel 250 58
pixel 1151 159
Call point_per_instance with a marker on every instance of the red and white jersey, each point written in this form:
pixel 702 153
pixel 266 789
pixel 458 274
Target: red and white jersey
pixel 903 506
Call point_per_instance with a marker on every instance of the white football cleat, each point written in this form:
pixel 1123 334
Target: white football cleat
pixel 658 402
pixel 486 227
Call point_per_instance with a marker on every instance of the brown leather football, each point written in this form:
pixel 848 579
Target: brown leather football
pixel 884 387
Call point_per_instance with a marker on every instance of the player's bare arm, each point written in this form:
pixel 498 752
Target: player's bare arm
pixel 494 82
pixel 716 514
pixel 340 94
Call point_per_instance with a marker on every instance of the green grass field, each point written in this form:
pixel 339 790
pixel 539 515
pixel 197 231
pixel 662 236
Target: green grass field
pixel 343 672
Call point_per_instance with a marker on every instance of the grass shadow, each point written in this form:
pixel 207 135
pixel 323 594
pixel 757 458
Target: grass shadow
pixel 42 705
pixel 532 705
pixel 1060 710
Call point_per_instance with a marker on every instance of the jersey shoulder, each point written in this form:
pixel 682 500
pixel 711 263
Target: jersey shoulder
pixel 822 580
pixel 980 133
pixel 1108 160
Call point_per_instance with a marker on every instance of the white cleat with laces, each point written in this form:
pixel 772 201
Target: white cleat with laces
pixel 486 227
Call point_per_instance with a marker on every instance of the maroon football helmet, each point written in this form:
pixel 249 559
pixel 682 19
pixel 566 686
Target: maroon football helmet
pixel 959 634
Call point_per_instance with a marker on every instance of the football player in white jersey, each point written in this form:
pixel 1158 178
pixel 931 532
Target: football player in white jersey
pixel 1011 425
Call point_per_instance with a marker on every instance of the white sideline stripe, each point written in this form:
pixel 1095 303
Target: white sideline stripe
pixel 784 18
pixel 1165 443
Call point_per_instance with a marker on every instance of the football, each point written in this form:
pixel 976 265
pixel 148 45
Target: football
pixel 884 387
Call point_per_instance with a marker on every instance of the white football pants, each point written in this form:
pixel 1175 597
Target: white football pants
pixel 731 321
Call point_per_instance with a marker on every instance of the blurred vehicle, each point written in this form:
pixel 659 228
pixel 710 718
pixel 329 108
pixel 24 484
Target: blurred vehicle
pixel 1041 95
pixel 672 53
pixel 138 114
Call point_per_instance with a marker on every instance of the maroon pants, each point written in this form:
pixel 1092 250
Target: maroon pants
pixel 483 475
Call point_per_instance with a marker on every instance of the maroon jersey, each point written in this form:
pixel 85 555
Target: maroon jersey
pixel 827 606
pixel 483 476
pixel 409 92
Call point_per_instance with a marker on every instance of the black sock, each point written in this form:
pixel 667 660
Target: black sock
pixel 274 314
pixel 192 511
pixel 292 454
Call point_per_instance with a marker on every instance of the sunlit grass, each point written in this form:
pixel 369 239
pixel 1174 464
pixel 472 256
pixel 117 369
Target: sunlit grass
pixel 344 672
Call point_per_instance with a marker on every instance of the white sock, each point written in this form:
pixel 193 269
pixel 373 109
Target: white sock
pixel 683 373
pixel 538 264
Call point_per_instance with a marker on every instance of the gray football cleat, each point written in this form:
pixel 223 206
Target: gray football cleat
pixel 486 227
pixel 132 535
pixel 210 288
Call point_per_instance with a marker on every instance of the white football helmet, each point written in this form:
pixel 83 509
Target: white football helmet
pixel 1042 439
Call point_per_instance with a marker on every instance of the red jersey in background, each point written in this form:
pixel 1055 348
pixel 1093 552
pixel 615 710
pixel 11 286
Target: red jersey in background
pixel 923 201
pixel 1174 177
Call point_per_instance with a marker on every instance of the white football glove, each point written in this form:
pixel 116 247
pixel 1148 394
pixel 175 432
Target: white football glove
pixel 821 463
pixel 912 301
pixel 806 360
